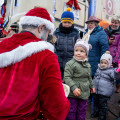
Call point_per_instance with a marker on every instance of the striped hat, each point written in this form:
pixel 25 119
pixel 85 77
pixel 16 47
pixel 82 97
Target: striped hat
pixel 67 16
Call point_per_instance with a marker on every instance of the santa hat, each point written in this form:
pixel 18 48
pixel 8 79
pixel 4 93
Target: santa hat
pixel 83 44
pixel 106 56
pixel 38 16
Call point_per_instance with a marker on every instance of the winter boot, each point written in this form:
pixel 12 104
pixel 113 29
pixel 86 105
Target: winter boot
pixel 94 115
pixel 117 89
pixel 102 117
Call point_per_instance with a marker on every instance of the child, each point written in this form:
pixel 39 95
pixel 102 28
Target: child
pixel 66 38
pixel 77 76
pixel 104 83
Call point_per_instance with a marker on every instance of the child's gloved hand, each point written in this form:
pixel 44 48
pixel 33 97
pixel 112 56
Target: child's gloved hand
pixel 118 69
pixel 77 92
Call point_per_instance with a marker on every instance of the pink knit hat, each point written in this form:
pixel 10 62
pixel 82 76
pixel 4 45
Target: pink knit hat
pixel 83 44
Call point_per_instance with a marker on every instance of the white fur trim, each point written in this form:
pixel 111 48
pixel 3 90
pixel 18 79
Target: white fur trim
pixel 22 52
pixel 37 21
pixel 66 89
pixel 52 18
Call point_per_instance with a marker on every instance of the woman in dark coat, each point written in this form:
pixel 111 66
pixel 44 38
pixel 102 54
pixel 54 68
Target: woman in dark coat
pixel 95 36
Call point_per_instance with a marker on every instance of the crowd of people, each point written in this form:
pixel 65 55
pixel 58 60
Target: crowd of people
pixel 34 65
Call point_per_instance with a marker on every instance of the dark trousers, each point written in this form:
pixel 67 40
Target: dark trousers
pixel 62 72
pixel 78 109
pixel 100 104
pixel 91 95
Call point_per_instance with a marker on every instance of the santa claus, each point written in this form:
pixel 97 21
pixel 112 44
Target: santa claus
pixel 30 79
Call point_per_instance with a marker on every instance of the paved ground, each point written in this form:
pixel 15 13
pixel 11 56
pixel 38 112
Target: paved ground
pixel 113 105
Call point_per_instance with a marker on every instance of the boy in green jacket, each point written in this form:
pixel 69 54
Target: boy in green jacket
pixel 77 76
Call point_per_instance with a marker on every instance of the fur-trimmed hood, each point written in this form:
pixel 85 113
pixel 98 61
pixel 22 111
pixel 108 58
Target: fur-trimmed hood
pixel 21 46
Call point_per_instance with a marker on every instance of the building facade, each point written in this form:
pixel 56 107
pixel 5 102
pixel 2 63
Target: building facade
pixel 102 9
pixel 17 8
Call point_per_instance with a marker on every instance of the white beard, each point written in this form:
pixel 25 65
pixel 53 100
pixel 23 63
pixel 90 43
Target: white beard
pixel 43 35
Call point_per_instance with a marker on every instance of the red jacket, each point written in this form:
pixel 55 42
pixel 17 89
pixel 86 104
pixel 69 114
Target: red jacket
pixel 30 80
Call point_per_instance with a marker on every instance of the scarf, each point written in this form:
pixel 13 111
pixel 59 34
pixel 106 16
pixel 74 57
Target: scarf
pixel 86 59
pixel 87 35
pixel 66 30
pixel 110 31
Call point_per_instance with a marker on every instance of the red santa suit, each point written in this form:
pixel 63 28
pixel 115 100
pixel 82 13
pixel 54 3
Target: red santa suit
pixel 30 80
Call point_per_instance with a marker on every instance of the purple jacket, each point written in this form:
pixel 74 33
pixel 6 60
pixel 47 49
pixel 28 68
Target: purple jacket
pixel 114 49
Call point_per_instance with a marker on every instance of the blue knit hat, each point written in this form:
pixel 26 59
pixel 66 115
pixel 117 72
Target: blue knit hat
pixel 67 16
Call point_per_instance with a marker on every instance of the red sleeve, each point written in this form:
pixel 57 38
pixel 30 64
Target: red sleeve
pixel 54 104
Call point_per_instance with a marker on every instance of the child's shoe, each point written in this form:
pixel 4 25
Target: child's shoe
pixel 94 115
